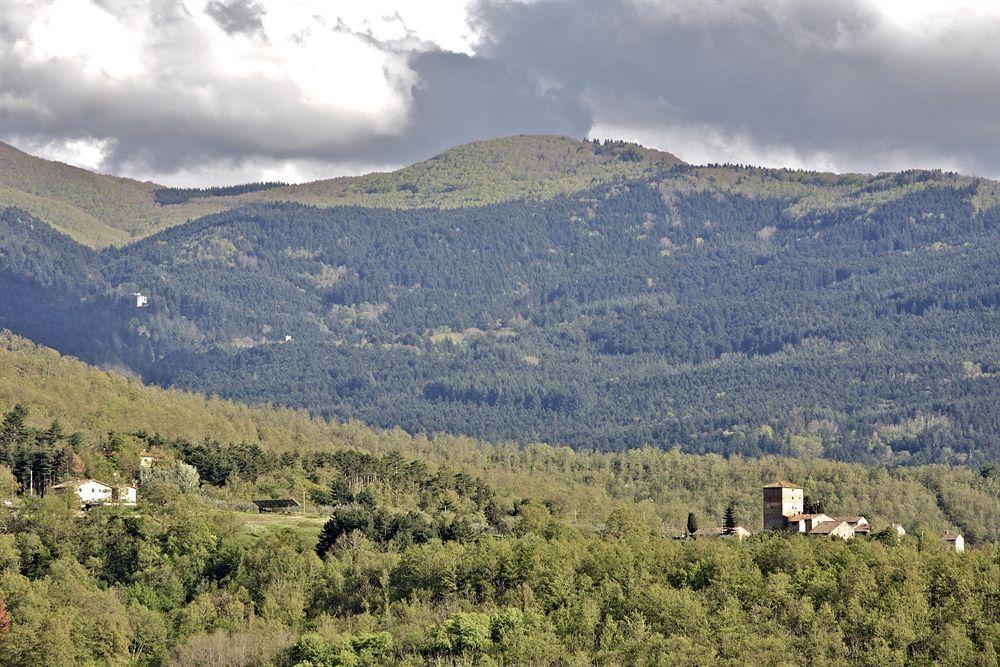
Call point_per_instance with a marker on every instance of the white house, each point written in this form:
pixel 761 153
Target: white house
pixel 955 541
pixel 147 459
pixel 140 299
pixel 125 494
pixel 834 528
pixel 90 491
pixel 858 523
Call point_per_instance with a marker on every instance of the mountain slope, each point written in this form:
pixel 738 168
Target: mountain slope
pixel 99 210
pixel 408 549
pixel 722 309
pixel 94 403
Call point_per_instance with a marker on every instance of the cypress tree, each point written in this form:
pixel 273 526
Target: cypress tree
pixel 729 519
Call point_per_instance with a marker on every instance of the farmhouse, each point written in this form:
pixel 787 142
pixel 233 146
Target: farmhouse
pixel 955 541
pixel 834 528
pixel 858 523
pixel 125 494
pixel 783 510
pixel 148 459
pixel 91 492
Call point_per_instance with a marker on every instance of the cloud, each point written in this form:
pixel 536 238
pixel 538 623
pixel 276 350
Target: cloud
pixel 323 88
pixel 237 16
pixel 195 92
pixel 844 84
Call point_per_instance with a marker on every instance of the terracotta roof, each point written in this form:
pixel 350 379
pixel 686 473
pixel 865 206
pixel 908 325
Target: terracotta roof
pixel 826 527
pixel 950 537
pixel 782 484
pixel 799 517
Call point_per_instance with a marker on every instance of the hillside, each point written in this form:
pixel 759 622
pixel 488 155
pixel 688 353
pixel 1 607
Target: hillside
pixel 99 210
pixel 415 550
pixel 718 309
pixel 669 484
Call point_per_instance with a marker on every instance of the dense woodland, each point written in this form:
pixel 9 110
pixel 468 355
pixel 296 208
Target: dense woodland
pixel 419 552
pixel 718 309
pixel 173 196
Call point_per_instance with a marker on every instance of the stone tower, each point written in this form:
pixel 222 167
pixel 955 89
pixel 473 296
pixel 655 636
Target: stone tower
pixel 781 499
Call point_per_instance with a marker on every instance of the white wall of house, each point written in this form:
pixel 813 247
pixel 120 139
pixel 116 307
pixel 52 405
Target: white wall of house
pixel 126 495
pixel 93 492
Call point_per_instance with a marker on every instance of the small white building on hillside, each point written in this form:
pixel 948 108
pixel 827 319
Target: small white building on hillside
pixel 90 491
pixel 955 541
pixel 148 459
pixel 125 494
pixel 834 528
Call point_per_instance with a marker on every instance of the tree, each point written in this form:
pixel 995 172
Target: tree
pixel 729 519
pixel 8 483
pixel 183 475
pixel 4 616
pixel 692 524
pixel 12 432
pixel 812 505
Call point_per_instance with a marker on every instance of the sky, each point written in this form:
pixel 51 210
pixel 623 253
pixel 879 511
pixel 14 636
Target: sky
pixel 215 92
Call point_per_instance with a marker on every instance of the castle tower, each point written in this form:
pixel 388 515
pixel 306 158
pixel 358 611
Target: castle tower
pixel 781 499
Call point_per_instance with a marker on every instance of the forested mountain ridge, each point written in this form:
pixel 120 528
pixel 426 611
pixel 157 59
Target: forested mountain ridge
pixel 727 309
pixel 99 210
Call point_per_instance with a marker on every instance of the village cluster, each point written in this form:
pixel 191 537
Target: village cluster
pixel 784 510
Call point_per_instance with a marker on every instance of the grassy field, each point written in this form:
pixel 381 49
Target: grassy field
pixel 306 525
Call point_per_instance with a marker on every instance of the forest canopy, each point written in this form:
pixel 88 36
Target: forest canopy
pixel 421 551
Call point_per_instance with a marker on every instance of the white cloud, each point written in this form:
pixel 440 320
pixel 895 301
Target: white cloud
pixel 220 91
pixel 81 33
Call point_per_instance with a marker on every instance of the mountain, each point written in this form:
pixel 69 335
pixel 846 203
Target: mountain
pixel 99 210
pixel 720 309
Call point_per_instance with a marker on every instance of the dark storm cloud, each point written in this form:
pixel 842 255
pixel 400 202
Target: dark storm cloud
pixel 181 115
pixel 237 16
pixel 460 98
pixel 834 78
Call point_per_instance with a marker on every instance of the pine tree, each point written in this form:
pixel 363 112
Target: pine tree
pixel 729 519
pixel 692 523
